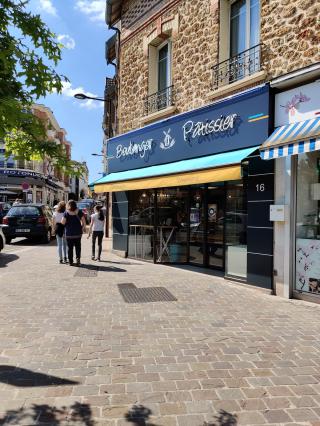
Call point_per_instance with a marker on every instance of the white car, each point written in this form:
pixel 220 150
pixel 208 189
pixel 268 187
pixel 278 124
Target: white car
pixel 2 238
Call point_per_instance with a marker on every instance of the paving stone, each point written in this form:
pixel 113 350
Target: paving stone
pixel 138 387
pixel 191 420
pixel 276 416
pixel 230 394
pixel 303 414
pixel 172 408
pixel 250 418
pixel 178 396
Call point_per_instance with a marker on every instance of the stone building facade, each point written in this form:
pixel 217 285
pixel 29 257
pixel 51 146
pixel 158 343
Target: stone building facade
pixel 289 34
pixel 189 64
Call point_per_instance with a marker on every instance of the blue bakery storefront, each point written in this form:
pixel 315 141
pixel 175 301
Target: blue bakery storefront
pixel 192 189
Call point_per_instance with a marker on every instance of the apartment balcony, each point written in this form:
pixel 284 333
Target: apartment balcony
pixel 159 104
pixel 246 67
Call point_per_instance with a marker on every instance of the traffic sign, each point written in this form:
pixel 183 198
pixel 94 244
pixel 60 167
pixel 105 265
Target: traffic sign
pixel 25 186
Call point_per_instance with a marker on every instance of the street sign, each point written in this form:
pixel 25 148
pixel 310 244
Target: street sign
pixel 25 186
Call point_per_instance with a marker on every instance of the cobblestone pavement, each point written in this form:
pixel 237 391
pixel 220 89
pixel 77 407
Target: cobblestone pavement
pixel 73 352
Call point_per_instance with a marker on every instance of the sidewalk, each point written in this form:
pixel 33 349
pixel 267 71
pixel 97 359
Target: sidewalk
pixel 73 352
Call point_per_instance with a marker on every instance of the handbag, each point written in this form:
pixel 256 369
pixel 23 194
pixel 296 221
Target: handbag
pixel 59 230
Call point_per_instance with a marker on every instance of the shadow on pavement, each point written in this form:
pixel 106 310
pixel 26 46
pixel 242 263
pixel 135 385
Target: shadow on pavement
pixel 138 416
pixel 25 242
pixel 223 419
pixel 43 414
pixel 120 263
pixel 101 268
pixel 21 377
pixel 6 258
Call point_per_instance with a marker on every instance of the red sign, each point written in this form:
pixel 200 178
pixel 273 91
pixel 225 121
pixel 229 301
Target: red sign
pixel 25 186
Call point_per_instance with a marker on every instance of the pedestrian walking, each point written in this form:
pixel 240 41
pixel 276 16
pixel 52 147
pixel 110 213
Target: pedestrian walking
pixel 97 227
pixel 59 230
pixel 75 225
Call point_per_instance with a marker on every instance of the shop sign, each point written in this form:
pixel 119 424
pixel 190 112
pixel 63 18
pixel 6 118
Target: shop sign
pixel 20 173
pixel 298 104
pixel 239 122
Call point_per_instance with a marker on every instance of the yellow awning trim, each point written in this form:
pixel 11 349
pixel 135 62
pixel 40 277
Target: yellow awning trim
pixel 219 174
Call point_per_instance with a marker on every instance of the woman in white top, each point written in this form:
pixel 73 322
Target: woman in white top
pixel 97 227
pixel 60 231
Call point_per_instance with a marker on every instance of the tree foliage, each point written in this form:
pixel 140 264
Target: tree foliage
pixel 25 44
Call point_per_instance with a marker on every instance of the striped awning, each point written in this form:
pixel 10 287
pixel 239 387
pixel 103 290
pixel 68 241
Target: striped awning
pixel 292 139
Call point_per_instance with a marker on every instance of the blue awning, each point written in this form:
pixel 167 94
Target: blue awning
pixel 292 139
pixel 184 172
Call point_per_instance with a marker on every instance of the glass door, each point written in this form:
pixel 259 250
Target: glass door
pixel 216 220
pixel 197 225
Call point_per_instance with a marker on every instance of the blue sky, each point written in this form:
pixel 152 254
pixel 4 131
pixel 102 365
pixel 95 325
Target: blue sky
pixel 80 26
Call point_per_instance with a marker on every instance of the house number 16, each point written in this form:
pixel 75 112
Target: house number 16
pixel 260 187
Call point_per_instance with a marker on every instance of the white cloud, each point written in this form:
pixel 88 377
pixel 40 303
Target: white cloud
pixel 95 9
pixel 67 41
pixel 69 92
pixel 47 6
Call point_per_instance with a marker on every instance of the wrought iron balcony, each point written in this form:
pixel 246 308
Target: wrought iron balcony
pixel 159 100
pixel 238 67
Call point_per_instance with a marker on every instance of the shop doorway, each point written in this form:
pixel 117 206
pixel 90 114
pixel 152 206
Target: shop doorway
pixel 206 237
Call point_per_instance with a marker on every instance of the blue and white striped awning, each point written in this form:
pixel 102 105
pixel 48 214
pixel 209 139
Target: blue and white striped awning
pixel 292 139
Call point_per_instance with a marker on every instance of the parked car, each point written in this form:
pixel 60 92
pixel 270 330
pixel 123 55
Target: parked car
pixel 4 208
pixel 33 221
pixel 2 238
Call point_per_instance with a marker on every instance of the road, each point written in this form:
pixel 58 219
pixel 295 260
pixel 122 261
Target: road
pixel 73 351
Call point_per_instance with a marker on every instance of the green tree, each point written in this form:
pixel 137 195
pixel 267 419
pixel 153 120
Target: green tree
pixel 25 43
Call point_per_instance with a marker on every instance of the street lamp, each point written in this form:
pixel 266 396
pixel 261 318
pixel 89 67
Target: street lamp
pixel 97 155
pixel 82 96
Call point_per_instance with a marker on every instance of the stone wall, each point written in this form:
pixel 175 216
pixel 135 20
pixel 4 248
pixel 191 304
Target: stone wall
pixel 290 31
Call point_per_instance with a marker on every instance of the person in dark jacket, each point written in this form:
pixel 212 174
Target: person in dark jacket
pixel 75 225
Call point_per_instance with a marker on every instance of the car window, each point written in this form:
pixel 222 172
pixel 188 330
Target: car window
pixel 24 211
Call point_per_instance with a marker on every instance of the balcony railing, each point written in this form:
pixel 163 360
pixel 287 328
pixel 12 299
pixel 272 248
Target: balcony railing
pixel 238 67
pixel 159 100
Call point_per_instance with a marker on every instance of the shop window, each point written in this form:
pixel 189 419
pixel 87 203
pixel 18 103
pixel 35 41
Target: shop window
pixel 236 230
pixel 172 225
pixel 141 224
pixel 308 223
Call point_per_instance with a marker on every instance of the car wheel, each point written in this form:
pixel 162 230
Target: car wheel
pixel 8 240
pixel 47 237
pixel 1 244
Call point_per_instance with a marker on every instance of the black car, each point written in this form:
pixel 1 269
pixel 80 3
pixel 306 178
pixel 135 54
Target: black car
pixel 33 221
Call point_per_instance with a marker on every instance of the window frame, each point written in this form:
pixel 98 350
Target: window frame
pixel 169 63
pixel 248 27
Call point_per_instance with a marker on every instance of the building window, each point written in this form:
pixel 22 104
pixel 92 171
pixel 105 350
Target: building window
pixel 160 82
pixel 239 49
pixel 244 25
pixel 164 68
pixel 308 223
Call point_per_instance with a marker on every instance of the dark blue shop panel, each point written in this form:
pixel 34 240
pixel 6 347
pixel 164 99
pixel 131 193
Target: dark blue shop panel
pixel 258 166
pixel 120 226
pixel 120 242
pixel 119 197
pixel 260 240
pixel 227 125
pixel 120 210
pixel 260 188
pixel 260 270
pixel 259 214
